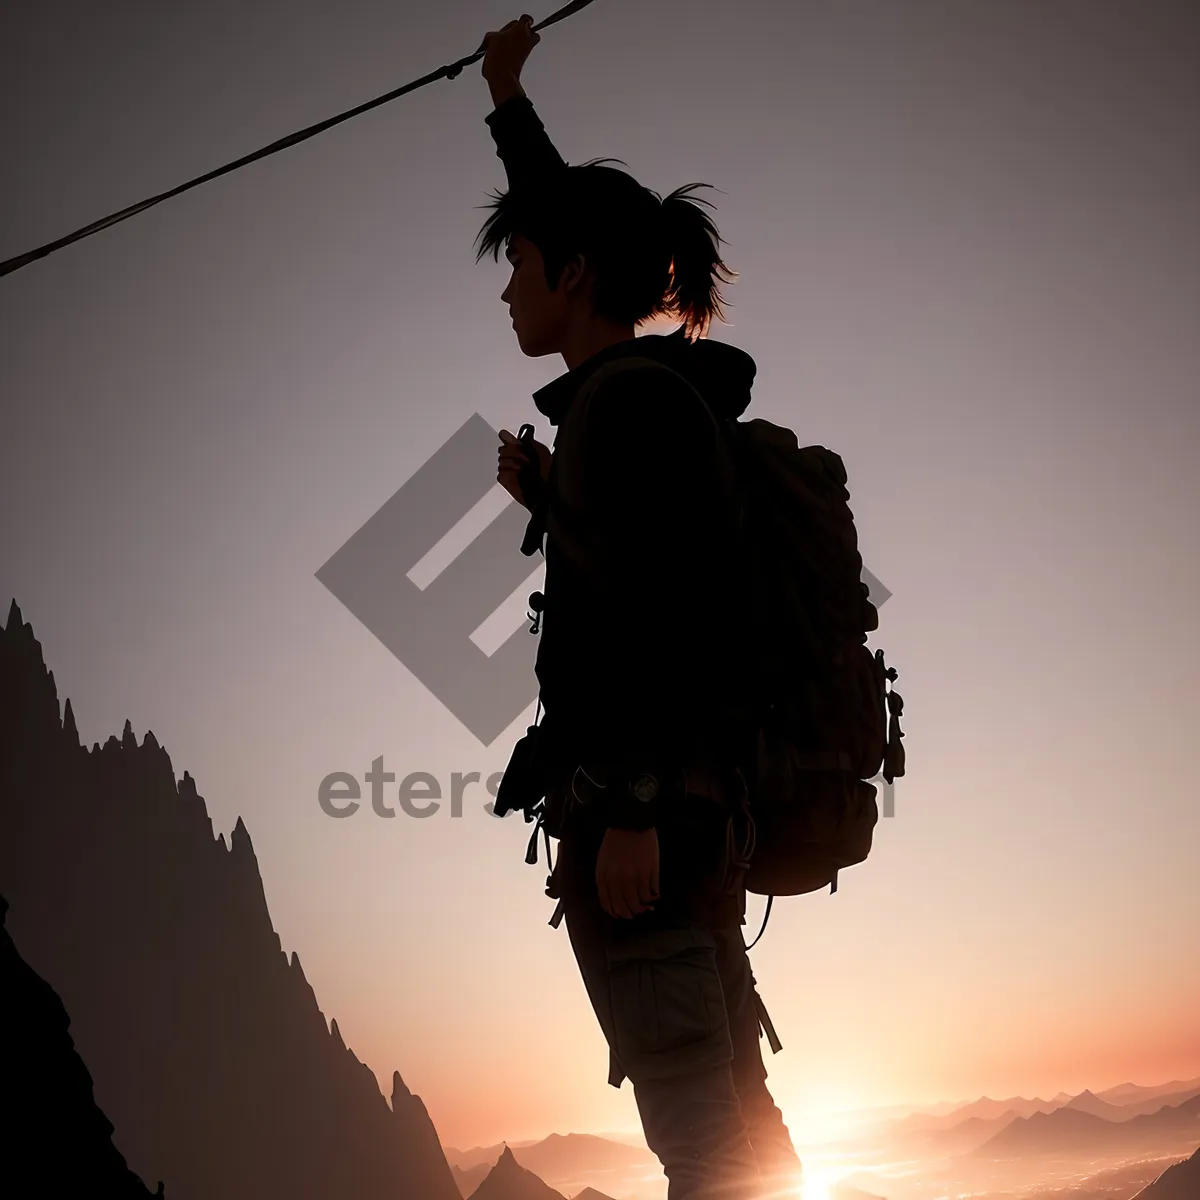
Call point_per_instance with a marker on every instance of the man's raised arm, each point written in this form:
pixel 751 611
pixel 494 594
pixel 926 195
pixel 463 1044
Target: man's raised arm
pixel 520 137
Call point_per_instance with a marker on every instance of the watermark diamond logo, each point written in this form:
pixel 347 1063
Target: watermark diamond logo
pixel 430 617
pixel 429 629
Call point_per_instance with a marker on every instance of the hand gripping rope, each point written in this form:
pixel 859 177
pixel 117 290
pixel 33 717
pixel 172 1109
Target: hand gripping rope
pixel 450 71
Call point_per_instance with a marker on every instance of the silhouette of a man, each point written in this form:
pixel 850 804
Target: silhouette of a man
pixel 641 670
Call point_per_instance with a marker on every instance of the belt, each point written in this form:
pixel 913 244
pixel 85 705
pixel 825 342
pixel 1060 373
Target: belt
pixel 700 780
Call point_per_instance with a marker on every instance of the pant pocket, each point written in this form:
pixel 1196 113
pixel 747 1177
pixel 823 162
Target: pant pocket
pixel 668 1007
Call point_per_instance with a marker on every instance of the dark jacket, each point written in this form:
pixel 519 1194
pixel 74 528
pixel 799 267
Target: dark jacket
pixel 642 658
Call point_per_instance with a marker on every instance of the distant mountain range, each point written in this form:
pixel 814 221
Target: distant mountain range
pixel 508 1180
pixel 983 1109
pixel 207 1048
pixel 969 1126
pixel 1089 1102
pixel 1131 1093
pixel 486 1155
pixel 561 1160
pixel 562 1154
pixel 1071 1131
pixel 1121 1109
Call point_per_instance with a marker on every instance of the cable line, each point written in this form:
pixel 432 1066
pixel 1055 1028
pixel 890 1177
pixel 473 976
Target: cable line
pixel 447 72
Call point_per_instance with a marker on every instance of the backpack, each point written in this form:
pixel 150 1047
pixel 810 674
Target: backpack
pixel 827 719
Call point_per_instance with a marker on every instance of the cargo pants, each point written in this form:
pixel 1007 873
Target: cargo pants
pixel 673 991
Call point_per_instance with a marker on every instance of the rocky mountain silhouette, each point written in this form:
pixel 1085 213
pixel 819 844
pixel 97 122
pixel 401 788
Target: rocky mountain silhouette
pixel 562 1160
pixel 53 1138
pixel 508 1180
pixel 1180 1182
pixel 559 1155
pixel 590 1193
pixel 206 1045
pixel 1070 1131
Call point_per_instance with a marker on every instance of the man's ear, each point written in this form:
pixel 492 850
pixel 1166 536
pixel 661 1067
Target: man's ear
pixel 574 278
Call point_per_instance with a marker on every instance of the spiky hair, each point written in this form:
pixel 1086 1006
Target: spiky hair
pixel 651 256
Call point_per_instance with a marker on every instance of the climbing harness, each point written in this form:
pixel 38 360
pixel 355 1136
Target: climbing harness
pixel 450 71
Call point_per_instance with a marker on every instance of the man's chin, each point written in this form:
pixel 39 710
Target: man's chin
pixel 532 349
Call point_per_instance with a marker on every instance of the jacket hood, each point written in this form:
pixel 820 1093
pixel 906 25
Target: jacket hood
pixel 721 373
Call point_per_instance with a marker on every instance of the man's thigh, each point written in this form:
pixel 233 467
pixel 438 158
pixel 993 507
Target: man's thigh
pixel 670 997
pixel 657 994
pixel 656 980
pixel 668 1005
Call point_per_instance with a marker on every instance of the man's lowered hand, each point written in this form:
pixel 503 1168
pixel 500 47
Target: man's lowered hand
pixel 627 871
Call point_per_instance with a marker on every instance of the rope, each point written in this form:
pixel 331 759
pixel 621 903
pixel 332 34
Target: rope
pixel 450 71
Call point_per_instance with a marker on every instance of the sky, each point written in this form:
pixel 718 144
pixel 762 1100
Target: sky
pixel 968 261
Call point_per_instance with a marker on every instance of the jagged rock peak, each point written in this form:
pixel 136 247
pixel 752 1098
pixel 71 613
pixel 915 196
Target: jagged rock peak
pixel 15 620
pixel 128 740
pixel 150 740
pixel 336 1033
pixel 508 1180
pixel 187 785
pixel 399 1089
pixel 239 839
pixel 70 729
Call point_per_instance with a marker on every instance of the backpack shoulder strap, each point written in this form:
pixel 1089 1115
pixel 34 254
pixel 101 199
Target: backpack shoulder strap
pixel 576 421
pixel 637 362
